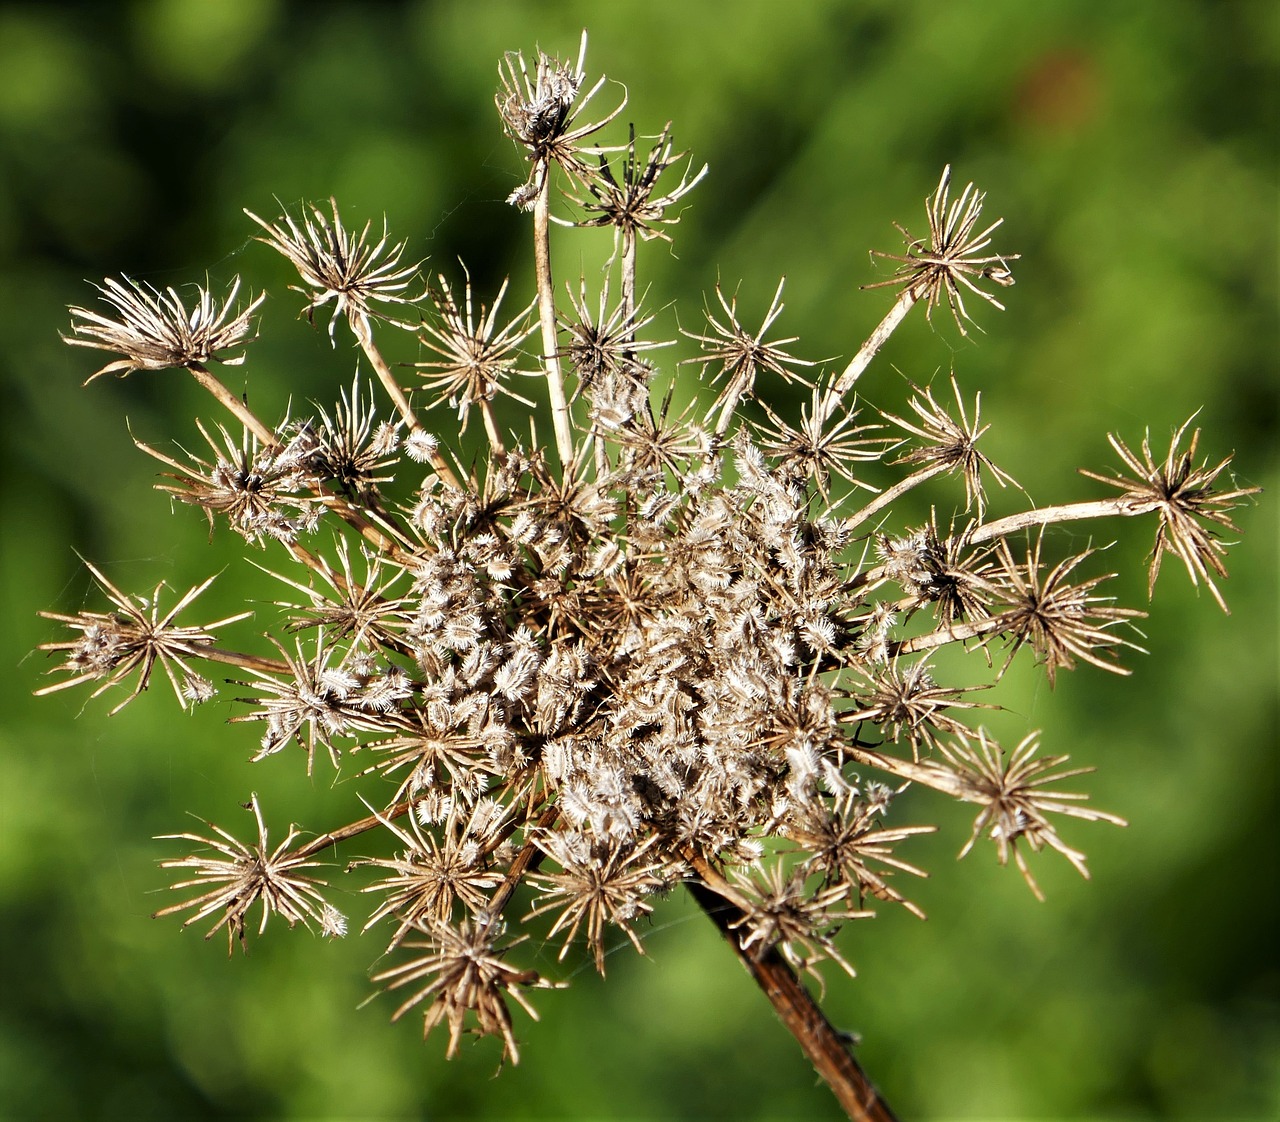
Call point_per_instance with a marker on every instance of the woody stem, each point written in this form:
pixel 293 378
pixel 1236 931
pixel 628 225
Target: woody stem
pixel 824 1046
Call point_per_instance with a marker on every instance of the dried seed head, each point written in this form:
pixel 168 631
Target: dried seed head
pixel 350 272
pixel 951 443
pixel 952 258
pixel 432 873
pixel 247 874
pixel 477 356
pixel 1015 803
pixel 655 655
pixel 155 330
pixel 844 840
pixel 781 912
pixel 266 494
pixel 603 346
pixel 462 972
pixel 822 446
pixel 1184 496
pixel 602 883
pixel 908 705
pixel 540 112
pixel 629 204
pixel 737 355
pixel 135 637
pixel 1062 621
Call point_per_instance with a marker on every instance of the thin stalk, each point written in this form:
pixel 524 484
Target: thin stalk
pixel 727 412
pixel 357 521
pixel 241 411
pixel 1068 512
pixel 1001 527
pixel 956 633
pixel 886 327
pixel 628 269
pixel 887 498
pixel 353 829
pixel 547 318
pixel 927 773
pixel 628 274
pixel 826 1048
pixel 529 857
pixel 247 661
pixel 496 447
pixel 399 810
pixel 360 326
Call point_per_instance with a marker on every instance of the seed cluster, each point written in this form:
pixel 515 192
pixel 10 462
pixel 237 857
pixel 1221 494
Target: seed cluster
pixel 669 647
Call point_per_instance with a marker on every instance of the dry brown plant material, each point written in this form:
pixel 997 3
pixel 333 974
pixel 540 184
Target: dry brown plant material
pixel 668 649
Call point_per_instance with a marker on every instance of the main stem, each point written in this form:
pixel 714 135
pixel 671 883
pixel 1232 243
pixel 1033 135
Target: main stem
pixel 825 1047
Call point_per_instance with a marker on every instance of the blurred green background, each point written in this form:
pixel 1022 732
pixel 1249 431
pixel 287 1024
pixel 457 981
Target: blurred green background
pixel 1132 150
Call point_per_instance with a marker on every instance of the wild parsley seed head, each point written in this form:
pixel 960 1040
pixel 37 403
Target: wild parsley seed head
pixel 351 273
pixel 155 330
pixel 237 876
pixel 539 111
pixel 627 201
pixel 951 260
pixel 678 644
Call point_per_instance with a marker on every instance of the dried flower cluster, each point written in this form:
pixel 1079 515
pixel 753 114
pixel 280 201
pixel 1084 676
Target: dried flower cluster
pixel 669 647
